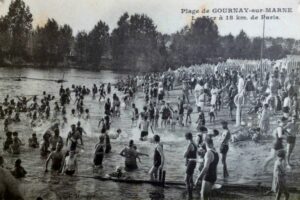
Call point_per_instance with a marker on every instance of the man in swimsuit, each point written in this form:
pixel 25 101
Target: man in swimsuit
pixel 158 158
pixel 292 128
pixel 130 155
pixel 225 147
pixel 57 158
pixel 144 126
pixel 99 152
pixel 190 155
pixel 278 132
pixel 54 140
pixel 208 175
pixel 72 138
pixel 70 166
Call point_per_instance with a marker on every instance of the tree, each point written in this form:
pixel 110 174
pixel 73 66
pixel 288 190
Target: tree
pixel 227 46
pixel 19 21
pixel 179 49
pixel 81 45
pixel 5 41
pixel 46 45
pixel 119 38
pixel 98 40
pixel 203 40
pixel 275 51
pixel 136 44
pixel 255 49
pixel 242 46
pixel 65 42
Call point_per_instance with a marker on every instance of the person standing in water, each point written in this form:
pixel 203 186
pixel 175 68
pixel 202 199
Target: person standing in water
pixel 158 159
pixel 130 155
pixel 225 147
pixel 278 145
pixel 57 158
pixel 70 166
pixel 99 152
pixel 144 126
pixel 107 140
pixel 190 155
pixel 279 176
pixel 208 175
pixel 292 128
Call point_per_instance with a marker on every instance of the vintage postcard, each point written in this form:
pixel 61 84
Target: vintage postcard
pixel 157 99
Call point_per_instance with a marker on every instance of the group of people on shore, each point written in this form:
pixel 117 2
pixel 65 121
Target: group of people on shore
pixel 272 96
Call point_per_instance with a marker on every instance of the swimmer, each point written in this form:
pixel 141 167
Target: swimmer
pixel 57 158
pixel 8 141
pixel 116 135
pixel 278 143
pixel 190 155
pixel 130 155
pixel 70 166
pixel 158 159
pixel 208 175
pixel 55 139
pixel 144 126
pixel 18 171
pixel 99 152
pixel 33 141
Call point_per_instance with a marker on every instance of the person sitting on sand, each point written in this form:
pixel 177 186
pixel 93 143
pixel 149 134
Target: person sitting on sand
pixel 33 141
pixel 18 171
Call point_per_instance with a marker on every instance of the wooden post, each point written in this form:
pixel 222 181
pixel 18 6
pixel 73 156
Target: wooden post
pixel 163 178
pixel 160 175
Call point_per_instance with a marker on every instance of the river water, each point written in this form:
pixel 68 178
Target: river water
pixel 245 159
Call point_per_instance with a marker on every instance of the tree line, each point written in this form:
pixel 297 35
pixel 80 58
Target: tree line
pixel 135 44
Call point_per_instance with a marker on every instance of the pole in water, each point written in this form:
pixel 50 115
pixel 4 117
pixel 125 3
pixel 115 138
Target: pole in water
pixel 163 178
pixel 160 175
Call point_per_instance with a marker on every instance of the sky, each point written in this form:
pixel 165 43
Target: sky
pixel 166 14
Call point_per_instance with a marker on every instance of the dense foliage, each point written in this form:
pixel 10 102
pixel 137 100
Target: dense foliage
pixel 135 44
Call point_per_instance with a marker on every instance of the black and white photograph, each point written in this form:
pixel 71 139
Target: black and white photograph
pixel 149 100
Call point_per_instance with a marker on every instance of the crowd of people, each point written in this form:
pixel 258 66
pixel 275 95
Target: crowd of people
pixel 261 97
